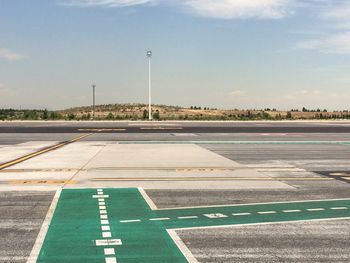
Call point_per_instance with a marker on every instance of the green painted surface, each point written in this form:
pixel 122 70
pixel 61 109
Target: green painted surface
pixel 76 224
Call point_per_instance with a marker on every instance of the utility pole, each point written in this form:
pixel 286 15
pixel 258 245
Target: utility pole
pixel 149 56
pixel 93 101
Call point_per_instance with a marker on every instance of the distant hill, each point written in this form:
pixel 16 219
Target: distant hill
pixel 138 111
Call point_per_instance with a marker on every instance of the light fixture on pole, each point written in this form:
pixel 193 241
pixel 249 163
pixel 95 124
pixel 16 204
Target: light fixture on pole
pixel 93 101
pixel 149 56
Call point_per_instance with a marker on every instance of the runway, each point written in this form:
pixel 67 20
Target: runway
pixel 194 173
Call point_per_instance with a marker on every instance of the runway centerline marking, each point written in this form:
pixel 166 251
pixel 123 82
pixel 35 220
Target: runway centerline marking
pixel 146 233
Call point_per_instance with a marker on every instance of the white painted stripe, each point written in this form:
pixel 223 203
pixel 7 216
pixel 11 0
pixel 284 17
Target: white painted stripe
pixel 109 251
pixel 105 228
pixel 130 221
pixel 267 212
pixel 291 211
pixel 101 199
pixel 101 203
pixel 43 230
pixel 111 260
pixel 263 223
pixel 102 207
pixel 249 204
pixel 106 234
pixel 147 199
pixel 339 208
pixel 103 212
pixel 104 216
pixel 159 219
pixel 99 189
pixel 108 242
pixel 187 217
pixel 104 222
pixel 183 248
pixel 241 214
pixel 100 196
pixel 315 209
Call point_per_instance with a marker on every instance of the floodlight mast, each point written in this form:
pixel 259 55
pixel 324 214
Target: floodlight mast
pixel 93 101
pixel 149 56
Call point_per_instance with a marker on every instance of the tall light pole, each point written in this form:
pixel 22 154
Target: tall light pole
pixel 149 56
pixel 93 101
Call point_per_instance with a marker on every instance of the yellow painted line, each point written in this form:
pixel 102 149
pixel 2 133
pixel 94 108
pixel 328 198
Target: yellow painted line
pixel 161 128
pixel 40 170
pixel 102 130
pixel 42 182
pixel 48 149
pixel 210 179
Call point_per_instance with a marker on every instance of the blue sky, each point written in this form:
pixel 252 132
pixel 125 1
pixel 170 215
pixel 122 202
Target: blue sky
pixel 227 54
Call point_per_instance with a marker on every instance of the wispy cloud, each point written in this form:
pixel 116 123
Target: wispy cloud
pixel 336 44
pixel 9 55
pixel 223 9
pixel 236 93
pixel 242 9
pixel 106 3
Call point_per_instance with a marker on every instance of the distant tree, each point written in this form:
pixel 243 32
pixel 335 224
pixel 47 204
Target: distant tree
pixel 110 116
pixel 156 115
pixel 70 116
pixel 305 109
pixel 289 115
pixel 45 114
pixel 145 114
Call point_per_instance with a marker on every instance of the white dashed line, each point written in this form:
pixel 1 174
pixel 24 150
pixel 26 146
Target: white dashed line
pixel 109 251
pixel 101 199
pixel 241 214
pixel 106 234
pixel 102 207
pixel 103 212
pixel 103 216
pixel 111 260
pixel 315 209
pixel 187 217
pixel 105 228
pixel 130 221
pixel 159 219
pixel 339 208
pixel 266 212
pixel 101 203
pixel 100 196
pixel 104 222
pixel 291 211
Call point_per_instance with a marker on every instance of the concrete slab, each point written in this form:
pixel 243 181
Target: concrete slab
pixel 159 155
pixel 11 152
pixel 74 155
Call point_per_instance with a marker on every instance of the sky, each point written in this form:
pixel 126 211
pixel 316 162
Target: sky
pixel 281 54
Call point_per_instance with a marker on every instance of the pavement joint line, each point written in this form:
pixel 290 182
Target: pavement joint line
pixel 124 179
pixel 235 142
pixel 40 152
